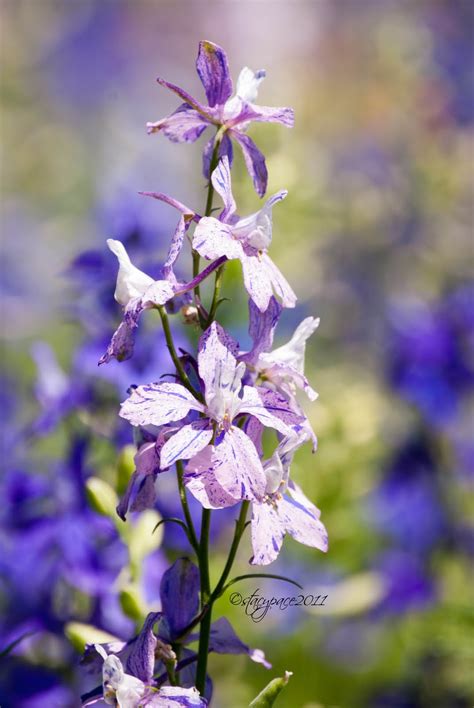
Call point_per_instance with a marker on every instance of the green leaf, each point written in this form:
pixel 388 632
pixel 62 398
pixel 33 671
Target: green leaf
pixel 141 539
pixel 80 634
pixel 125 467
pixel 267 697
pixel 132 603
pixel 102 497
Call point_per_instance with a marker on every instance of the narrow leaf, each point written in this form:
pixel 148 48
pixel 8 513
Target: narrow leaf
pixel 261 575
pixel 12 645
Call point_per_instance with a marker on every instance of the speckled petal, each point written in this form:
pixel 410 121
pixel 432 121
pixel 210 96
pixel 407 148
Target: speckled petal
pixel 157 404
pixel 213 70
pixel 267 532
pixel 213 239
pixel 186 443
pixel 269 412
pixel 184 125
pixel 254 161
pixel 302 523
pixel 221 182
pixel 256 280
pixel 279 283
pixel 238 468
pixel 201 481
pixel 217 362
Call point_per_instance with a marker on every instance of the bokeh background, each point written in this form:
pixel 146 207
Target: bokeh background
pixel 374 236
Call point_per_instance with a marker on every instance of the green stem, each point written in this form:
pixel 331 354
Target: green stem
pixel 174 355
pixel 205 597
pixel 184 503
pixel 215 297
pixel 209 201
pixel 208 598
pixel 239 530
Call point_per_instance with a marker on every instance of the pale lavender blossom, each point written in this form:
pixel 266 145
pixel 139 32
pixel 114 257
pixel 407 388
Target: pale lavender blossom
pixel 232 113
pixel 224 464
pixel 284 509
pixel 246 239
pixel 282 367
pixel 127 691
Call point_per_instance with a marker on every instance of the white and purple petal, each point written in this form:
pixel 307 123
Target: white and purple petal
pixel 176 244
pixel 271 411
pixel 121 345
pixel 217 362
pixel 157 404
pixel 159 292
pixel 267 533
pixel 264 114
pixel 186 443
pixel 262 326
pixel 221 182
pixel 201 481
pixel 174 697
pixel 302 522
pixel 213 70
pixel 238 468
pixel 213 239
pixel 184 125
pixel 224 640
pixel 256 279
pixel 279 283
pixel 254 161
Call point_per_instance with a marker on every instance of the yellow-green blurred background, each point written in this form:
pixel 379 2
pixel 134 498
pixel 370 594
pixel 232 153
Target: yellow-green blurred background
pixel 376 239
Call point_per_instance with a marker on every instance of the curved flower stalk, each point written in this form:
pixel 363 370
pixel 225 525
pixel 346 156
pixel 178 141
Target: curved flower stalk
pixel 209 421
pixel 230 113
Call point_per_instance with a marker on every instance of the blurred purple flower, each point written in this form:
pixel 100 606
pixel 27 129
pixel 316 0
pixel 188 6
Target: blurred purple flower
pixel 430 350
pixel 231 113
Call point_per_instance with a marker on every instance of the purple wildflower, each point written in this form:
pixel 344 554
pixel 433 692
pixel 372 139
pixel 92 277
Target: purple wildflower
pixel 246 239
pixel 222 472
pixel 284 509
pixel 282 367
pixel 232 114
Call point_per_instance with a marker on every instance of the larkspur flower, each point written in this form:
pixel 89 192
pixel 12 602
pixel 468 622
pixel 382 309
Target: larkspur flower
pixel 136 291
pixel 284 508
pixel 246 239
pixel 148 653
pixel 282 367
pixel 232 114
pixel 224 464
pixel 127 691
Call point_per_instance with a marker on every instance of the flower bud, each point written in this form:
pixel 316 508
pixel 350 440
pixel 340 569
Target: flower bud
pixel 190 314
